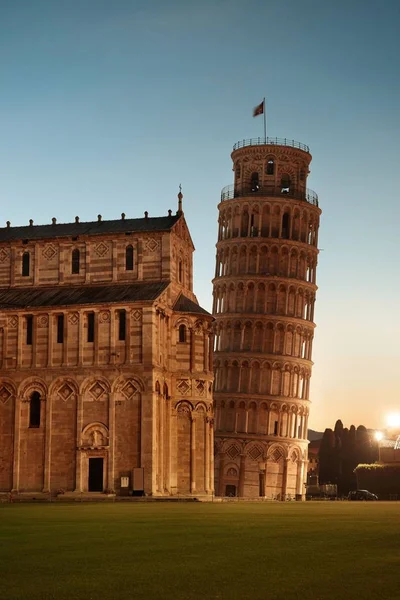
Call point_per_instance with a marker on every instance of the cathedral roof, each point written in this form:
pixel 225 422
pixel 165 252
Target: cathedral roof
pixel 36 232
pixel 36 297
pixel 185 305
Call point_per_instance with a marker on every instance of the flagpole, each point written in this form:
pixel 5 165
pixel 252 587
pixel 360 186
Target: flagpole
pixel 265 122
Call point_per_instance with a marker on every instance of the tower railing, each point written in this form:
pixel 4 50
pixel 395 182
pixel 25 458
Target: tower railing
pixel 262 141
pixel 230 191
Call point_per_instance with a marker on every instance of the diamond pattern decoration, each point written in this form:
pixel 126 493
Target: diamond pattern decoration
pixel 12 322
pixel 128 390
pixel 73 318
pixel 233 451
pixel 152 245
pixel 101 249
pixel 136 314
pixel 5 394
pixel 97 390
pixel 65 392
pixel 183 386
pixel 49 251
pixel 276 455
pixel 200 387
pixel 255 453
pixel 3 255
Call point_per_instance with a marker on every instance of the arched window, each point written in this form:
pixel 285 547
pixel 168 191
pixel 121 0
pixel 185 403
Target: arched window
pixel 255 185
pixel 182 334
pixel 285 225
pixel 285 183
pixel 26 263
pixel 129 258
pixel 34 410
pixel 165 390
pixel 75 261
pixel 270 167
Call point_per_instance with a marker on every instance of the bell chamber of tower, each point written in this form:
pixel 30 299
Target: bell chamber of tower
pixel 264 295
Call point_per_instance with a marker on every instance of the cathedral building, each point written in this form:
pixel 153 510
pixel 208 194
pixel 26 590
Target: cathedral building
pixel 105 360
pixel 264 294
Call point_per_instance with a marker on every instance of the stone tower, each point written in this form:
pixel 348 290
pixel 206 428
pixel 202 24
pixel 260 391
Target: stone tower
pixel 264 294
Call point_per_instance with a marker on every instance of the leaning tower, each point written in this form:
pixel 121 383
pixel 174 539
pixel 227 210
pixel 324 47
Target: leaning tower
pixel 264 294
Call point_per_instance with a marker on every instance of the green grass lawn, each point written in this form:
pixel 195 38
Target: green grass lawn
pixel 312 551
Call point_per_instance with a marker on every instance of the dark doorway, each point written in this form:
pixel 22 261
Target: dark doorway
pixel 96 474
pixel 230 491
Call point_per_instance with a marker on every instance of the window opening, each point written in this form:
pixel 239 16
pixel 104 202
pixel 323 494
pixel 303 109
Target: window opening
pixel 182 333
pixel 255 185
pixel 34 410
pixel 26 260
pixel 122 325
pixel 285 225
pixel 60 329
pixel 129 258
pixel 29 330
pixel 90 327
pixel 270 167
pixel 285 184
pixel 276 428
pixel 75 263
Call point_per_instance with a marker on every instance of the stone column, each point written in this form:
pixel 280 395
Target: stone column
pixel 111 440
pixel 211 446
pixel 79 457
pixel 205 351
pixel 193 455
pixel 285 477
pixel 242 475
pixel 81 316
pixel 207 456
pixel 300 478
pixel 192 350
pixel 47 446
pixel 17 432
pixel 221 474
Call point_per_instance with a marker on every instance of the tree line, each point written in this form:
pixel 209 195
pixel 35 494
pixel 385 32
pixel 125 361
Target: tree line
pixel 341 450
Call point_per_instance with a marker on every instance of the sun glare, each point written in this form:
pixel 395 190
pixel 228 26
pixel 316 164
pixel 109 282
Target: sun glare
pixel 378 435
pixel 393 420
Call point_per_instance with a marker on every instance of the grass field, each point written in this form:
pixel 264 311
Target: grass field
pixel 312 551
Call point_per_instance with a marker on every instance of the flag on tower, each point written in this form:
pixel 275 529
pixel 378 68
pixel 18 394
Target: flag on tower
pixel 258 110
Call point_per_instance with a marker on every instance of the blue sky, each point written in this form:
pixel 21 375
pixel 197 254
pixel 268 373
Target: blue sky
pixel 105 107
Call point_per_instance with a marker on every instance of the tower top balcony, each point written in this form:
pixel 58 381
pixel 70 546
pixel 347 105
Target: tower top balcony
pixel 271 141
pixel 230 192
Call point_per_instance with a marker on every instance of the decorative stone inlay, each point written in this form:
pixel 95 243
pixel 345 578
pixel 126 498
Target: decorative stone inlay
pixel 200 387
pixel 136 314
pixel 12 322
pixel 233 451
pixel 73 318
pixel 129 390
pixel 65 392
pixel 49 251
pixel 4 254
pixel 232 472
pixel 183 409
pixel 5 394
pixel 183 386
pixel 97 391
pixel 104 316
pixel 101 249
pixel 152 245
pixel 255 453
pixel 276 455
pixel 43 321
